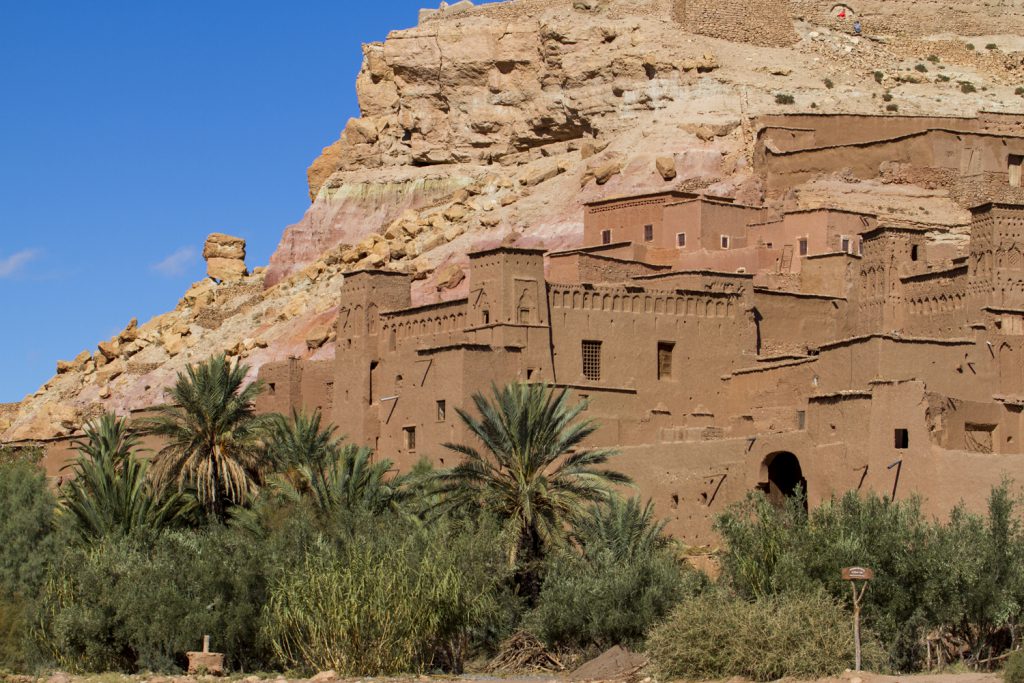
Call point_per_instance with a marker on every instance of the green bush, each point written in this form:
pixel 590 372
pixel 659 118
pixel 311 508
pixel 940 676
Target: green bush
pixel 892 107
pixel 967 87
pixel 140 602
pixel 1014 670
pixel 793 635
pixel 879 76
pixel 970 46
pixel 783 98
pixel 887 97
pixel 603 601
pixel 943 78
pixel 922 68
pixel 27 540
pixel 1019 90
pixel 965 577
pixel 934 59
pixel 991 46
pixel 395 599
pixel 829 84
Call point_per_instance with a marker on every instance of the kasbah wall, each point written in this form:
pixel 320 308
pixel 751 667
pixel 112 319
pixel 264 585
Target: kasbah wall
pixel 727 348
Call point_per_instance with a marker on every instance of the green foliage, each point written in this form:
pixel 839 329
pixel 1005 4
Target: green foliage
pixel 829 84
pixel 965 577
pixel 1019 90
pixel 212 436
pixel 934 59
pixel 922 68
pixel 892 107
pixel 967 87
pixel 27 540
pixel 10 455
pixel 783 98
pixel 1014 671
pixel 623 559
pixel 991 46
pixel 969 46
pixel 130 603
pixel 943 78
pixel 534 474
pixel 111 491
pixel 396 598
pixel 338 479
pixel 887 97
pixel 715 636
pixel 878 77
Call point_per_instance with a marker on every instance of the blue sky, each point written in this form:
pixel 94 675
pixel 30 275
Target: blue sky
pixel 131 130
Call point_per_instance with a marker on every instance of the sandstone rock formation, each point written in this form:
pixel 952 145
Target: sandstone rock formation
pixel 493 124
pixel 225 257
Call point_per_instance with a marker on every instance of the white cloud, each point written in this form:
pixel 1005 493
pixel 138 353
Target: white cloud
pixel 12 264
pixel 177 263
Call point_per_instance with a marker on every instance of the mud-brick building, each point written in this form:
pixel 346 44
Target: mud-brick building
pixel 842 355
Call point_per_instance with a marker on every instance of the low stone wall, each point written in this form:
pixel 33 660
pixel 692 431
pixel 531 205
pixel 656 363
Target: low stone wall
pixel 757 22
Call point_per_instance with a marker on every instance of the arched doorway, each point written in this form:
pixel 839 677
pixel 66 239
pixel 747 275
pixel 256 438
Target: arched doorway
pixel 785 477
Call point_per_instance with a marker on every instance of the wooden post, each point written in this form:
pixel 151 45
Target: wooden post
pixel 854 574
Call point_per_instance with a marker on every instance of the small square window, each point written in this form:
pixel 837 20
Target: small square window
pixel 442 410
pixel 681 239
pixel 529 374
pixel 410 438
pixel 803 247
pixel 648 233
pixel 902 439
pixel 769 245
pixel 845 245
pixel 271 388
pixel 725 241
pixel 606 237
pixel 592 360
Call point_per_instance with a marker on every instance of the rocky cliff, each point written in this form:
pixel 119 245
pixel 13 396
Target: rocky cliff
pixel 494 124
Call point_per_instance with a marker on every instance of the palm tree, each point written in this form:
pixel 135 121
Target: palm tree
pixel 623 526
pixel 335 476
pixel 213 437
pixel 110 491
pixel 533 473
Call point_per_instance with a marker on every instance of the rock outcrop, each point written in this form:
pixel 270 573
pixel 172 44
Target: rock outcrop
pixel 493 124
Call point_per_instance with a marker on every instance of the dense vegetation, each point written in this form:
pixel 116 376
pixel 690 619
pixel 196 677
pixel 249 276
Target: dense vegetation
pixel 298 551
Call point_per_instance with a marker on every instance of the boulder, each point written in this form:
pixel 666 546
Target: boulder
pixel 666 167
pixel 317 337
pixel 225 257
pixel 604 172
pixel 110 349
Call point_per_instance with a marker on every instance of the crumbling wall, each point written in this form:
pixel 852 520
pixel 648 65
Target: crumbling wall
pixel 757 22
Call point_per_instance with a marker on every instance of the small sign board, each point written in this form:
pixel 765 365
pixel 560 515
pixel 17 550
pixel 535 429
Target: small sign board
pixel 858 574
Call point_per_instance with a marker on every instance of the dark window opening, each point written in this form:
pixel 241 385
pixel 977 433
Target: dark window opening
pixel 373 369
pixel 681 239
pixel 487 317
pixel 902 439
pixel 393 339
pixel 913 253
pixel 441 411
pixel 592 360
pixel 410 438
pixel 529 373
pixel 769 245
pixel 271 388
pixel 845 245
pixel 665 350
pixel 648 233
pixel 725 241
pixel 803 247
pixel 606 237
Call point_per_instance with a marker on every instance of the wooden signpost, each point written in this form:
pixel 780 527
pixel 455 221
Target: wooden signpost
pixel 853 575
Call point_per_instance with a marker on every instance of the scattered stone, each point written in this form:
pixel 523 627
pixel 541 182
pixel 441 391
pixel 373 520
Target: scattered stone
pixel 225 257
pixel 666 167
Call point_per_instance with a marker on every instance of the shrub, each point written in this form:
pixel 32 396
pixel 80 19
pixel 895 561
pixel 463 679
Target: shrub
pixel 783 98
pixel 887 97
pixel 879 76
pixel 1019 90
pixel 967 87
pixel 395 599
pixel 970 46
pixel 943 78
pixel 960 577
pixel 829 84
pixel 141 601
pixel 934 59
pixel 991 46
pixel 623 560
pixel 921 67
pixel 27 540
pixel 792 635
pixel 1014 671
pixel 892 107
